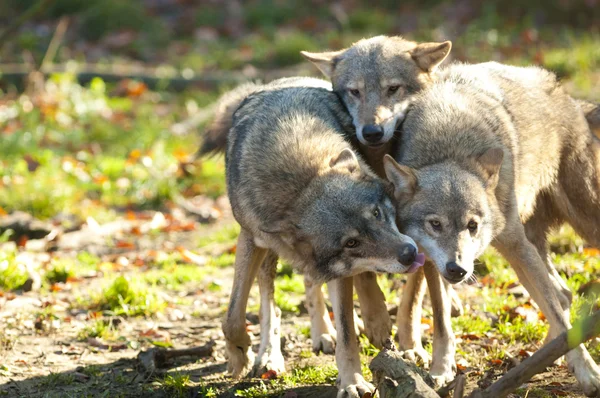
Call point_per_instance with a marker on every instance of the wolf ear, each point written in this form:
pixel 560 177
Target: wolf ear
pixel 402 177
pixel 491 162
pixel 429 55
pixel 324 61
pixel 346 159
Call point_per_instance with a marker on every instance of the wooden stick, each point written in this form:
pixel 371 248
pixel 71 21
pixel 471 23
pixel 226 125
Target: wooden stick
pixel 580 332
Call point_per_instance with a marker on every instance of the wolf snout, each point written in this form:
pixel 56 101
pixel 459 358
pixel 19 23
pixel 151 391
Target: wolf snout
pixel 372 133
pixel 455 273
pixel 407 254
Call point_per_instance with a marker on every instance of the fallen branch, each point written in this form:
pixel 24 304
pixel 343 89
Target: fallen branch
pixel 163 77
pixel 156 358
pixel 396 378
pixel 580 332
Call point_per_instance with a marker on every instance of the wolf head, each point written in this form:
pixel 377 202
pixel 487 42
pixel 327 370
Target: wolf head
pixel 376 79
pixel 449 209
pixel 344 224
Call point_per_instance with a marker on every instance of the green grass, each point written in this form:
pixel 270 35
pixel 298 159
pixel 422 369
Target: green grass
pixel 176 384
pixel 13 274
pixel 131 297
pixel 99 328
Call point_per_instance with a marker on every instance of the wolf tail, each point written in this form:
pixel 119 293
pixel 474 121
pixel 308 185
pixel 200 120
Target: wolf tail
pixel 215 137
pixel 592 115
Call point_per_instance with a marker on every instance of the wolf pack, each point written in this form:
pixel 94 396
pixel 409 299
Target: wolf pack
pixel 399 164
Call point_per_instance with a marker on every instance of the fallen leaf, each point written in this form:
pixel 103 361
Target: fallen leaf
pixel 496 362
pixel 269 375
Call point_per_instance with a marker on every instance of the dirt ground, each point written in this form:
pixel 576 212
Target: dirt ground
pixel 43 353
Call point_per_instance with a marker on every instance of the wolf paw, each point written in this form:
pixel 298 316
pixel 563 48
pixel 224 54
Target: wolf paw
pixel 586 372
pixel 239 360
pixel 356 387
pixel 378 330
pixel 266 363
pixel 325 343
pixel 443 376
pixel 416 355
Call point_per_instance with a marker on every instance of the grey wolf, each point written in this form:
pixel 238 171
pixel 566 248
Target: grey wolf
pixel 377 79
pixel 494 154
pixel 301 193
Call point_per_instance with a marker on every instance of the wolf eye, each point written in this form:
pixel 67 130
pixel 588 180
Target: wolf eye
pixel 393 89
pixel 436 225
pixel 376 213
pixel 354 92
pixel 472 226
pixel 351 243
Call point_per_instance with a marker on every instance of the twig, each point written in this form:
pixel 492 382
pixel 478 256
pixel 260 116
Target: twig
pixel 169 78
pixel 30 13
pixel 544 357
pixel 57 38
pixel 156 357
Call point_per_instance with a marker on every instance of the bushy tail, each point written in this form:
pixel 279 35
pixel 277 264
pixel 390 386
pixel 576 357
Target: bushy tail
pixel 592 115
pixel 215 137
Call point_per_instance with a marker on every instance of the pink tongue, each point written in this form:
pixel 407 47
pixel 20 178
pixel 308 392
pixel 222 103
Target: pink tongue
pixel 419 261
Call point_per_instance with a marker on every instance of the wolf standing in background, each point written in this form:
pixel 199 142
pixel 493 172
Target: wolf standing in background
pixel 471 173
pixel 300 192
pixel 377 78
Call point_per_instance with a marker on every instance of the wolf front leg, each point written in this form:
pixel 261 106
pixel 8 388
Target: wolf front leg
pixel 377 322
pixel 351 382
pixel 322 332
pixel 443 364
pixel 531 270
pixel 269 354
pixel 238 346
pixel 408 318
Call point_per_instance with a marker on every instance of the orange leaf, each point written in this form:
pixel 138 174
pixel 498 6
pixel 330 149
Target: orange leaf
pixel 121 244
pixel 3 212
pixel 269 375
pixel 496 362
pixel 22 241
pixel 130 215
pixel 56 287
pixel 591 251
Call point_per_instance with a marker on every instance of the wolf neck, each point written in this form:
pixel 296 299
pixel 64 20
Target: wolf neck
pixel 374 156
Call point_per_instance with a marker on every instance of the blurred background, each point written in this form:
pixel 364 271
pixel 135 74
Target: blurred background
pixel 113 77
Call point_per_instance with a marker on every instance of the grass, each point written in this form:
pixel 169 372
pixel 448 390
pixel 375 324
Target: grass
pixel 176 384
pixel 127 296
pixel 100 328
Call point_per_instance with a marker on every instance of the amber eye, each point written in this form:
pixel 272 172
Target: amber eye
pixel 472 226
pixel 376 213
pixel 354 92
pixel 351 243
pixel 393 89
pixel 436 225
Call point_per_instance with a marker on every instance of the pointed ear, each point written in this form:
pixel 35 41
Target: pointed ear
pixel 402 177
pixel 491 162
pixel 324 61
pixel 346 160
pixel 429 55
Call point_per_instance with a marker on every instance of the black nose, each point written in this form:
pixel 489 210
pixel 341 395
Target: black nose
pixel 408 254
pixel 455 271
pixel 372 133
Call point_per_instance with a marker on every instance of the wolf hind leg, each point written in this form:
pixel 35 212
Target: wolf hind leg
pixel 531 270
pixel 408 318
pixel 537 229
pixel 237 340
pixel 377 322
pixel 269 356
pixel 322 332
